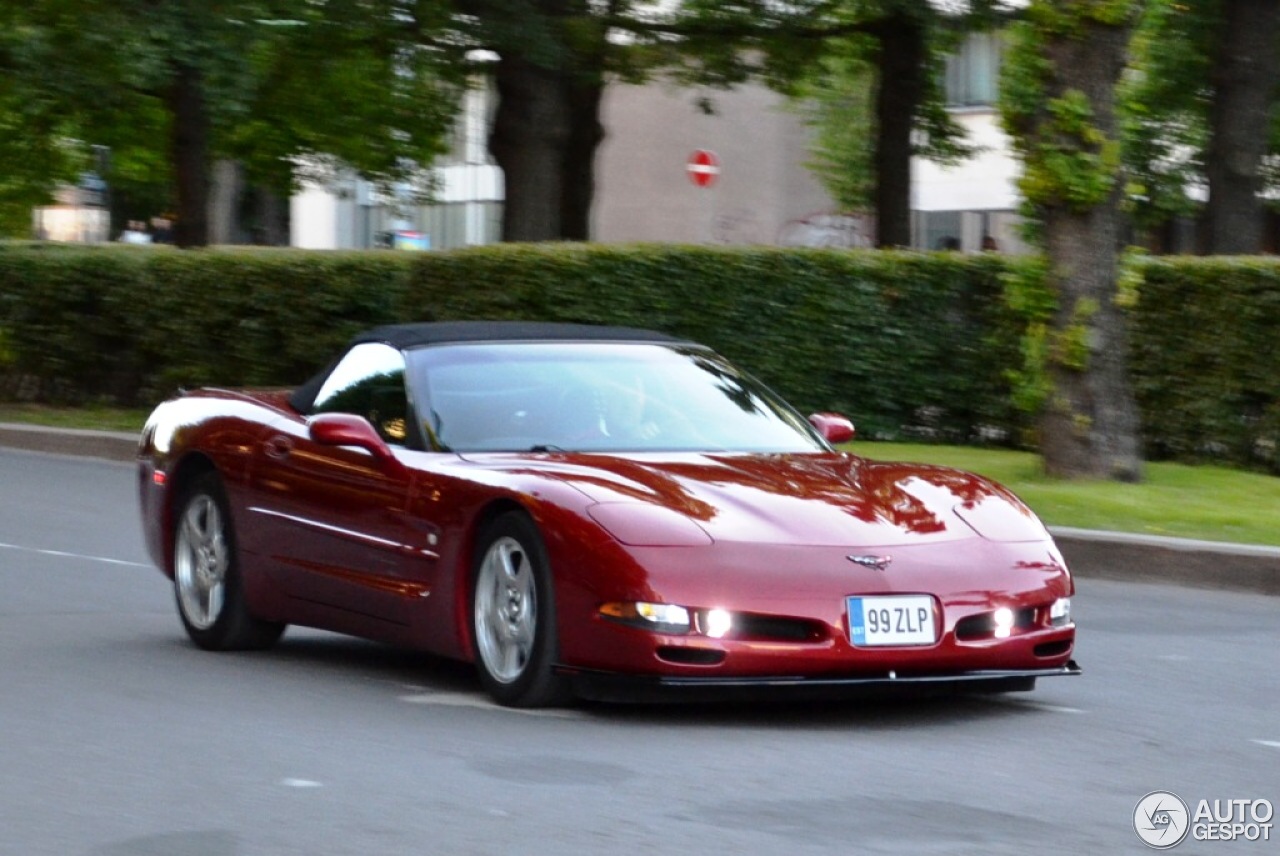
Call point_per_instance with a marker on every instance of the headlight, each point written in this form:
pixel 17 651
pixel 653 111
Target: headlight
pixel 670 618
pixel 658 617
pixel 1060 612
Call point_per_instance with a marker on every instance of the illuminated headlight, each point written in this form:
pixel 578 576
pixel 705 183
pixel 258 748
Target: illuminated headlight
pixel 1060 612
pixel 1003 618
pixel 664 613
pixel 659 617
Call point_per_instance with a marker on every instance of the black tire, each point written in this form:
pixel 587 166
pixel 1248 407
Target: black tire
pixel 513 615
pixel 206 573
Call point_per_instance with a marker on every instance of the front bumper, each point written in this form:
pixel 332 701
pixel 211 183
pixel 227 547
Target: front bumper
pixel 614 687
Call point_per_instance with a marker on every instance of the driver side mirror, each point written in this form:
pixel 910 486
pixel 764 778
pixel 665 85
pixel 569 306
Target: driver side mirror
pixel 346 429
pixel 833 427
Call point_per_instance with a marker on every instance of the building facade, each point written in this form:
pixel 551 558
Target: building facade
pixel 763 194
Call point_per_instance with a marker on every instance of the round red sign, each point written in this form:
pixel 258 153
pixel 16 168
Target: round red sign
pixel 703 167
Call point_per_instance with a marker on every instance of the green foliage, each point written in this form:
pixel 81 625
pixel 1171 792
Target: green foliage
pixel 1069 160
pixel 835 99
pixel 67 321
pixel 1031 301
pixel 128 324
pixel 903 342
pixel 280 80
pixel 940 346
pixel 835 95
pixel 1163 106
pixel 1205 366
pixel 900 341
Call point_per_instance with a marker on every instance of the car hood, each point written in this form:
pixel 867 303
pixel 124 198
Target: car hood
pixel 820 499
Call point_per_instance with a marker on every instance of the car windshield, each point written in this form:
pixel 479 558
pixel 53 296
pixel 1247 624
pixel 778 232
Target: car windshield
pixel 598 397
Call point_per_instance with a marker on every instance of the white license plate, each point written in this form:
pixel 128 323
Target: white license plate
pixel 891 620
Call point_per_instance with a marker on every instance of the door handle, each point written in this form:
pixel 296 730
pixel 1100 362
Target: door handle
pixel 278 447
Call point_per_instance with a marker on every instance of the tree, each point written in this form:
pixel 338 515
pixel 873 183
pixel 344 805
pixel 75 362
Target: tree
pixel 831 49
pixel 1058 105
pixel 553 61
pixel 841 98
pixel 1244 82
pixel 1201 109
pixel 170 85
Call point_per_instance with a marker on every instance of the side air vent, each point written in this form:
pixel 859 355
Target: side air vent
pixel 690 656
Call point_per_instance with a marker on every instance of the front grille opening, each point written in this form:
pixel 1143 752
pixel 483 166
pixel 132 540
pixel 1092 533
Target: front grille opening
pixel 774 628
pixel 983 626
pixel 686 656
pixel 1052 649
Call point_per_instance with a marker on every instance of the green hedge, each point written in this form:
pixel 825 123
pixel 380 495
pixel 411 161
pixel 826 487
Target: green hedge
pixel 1205 359
pixel 128 325
pixel 902 342
pixel 910 345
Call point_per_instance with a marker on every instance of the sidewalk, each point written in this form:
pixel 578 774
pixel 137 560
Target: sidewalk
pixel 1091 554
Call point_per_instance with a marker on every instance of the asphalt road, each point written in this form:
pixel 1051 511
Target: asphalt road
pixel 117 738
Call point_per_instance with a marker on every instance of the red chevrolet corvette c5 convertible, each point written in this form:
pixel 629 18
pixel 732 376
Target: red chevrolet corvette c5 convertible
pixel 591 511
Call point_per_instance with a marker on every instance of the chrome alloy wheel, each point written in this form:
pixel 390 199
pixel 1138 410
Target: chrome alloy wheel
pixel 506 610
pixel 201 560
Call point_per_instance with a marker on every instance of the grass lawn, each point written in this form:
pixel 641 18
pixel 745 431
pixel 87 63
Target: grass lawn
pixel 1212 503
pixel 96 418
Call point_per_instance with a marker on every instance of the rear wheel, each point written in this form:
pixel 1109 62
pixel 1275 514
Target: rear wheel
pixel 206 574
pixel 514 615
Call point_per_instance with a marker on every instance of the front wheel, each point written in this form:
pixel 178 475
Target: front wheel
pixel 206 574
pixel 514 615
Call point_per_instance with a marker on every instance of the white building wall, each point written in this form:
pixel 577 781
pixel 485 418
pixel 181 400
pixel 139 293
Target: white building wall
pixel 313 219
pixel 764 193
pixel 985 182
pixel 644 193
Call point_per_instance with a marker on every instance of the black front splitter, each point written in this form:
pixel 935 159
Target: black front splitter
pixel 614 687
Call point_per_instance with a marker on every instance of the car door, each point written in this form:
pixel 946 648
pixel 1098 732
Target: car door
pixel 333 519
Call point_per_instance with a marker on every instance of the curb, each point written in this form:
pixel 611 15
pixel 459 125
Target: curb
pixel 1091 554
pixel 1170 561
pixel 109 445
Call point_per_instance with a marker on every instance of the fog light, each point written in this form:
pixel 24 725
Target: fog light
pixel 716 623
pixel 1003 618
pixel 1060 612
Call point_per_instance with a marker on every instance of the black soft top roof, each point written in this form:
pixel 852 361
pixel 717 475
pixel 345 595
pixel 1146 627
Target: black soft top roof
pixel 406 336
pixel 442 332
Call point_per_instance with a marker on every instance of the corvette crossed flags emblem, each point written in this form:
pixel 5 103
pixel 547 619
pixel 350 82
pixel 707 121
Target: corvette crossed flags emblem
pixel 878 563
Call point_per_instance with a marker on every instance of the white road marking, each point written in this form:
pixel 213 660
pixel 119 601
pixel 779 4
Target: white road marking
pixel 300 783
pixel 471 700
pixel 1274 744
pixel 1040 705
pixel 1057 708
pixel 64 555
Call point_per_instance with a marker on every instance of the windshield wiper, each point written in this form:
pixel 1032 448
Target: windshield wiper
pixel 548 447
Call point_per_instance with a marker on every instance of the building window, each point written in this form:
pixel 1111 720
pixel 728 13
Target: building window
pixel 973 73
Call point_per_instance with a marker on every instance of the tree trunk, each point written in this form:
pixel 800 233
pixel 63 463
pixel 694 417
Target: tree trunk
pixel 1089 426
pixel 1244 82
pixel 225 188
pixel 190 149
pixel 530 133
pixel 900 62
pixel 585 135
